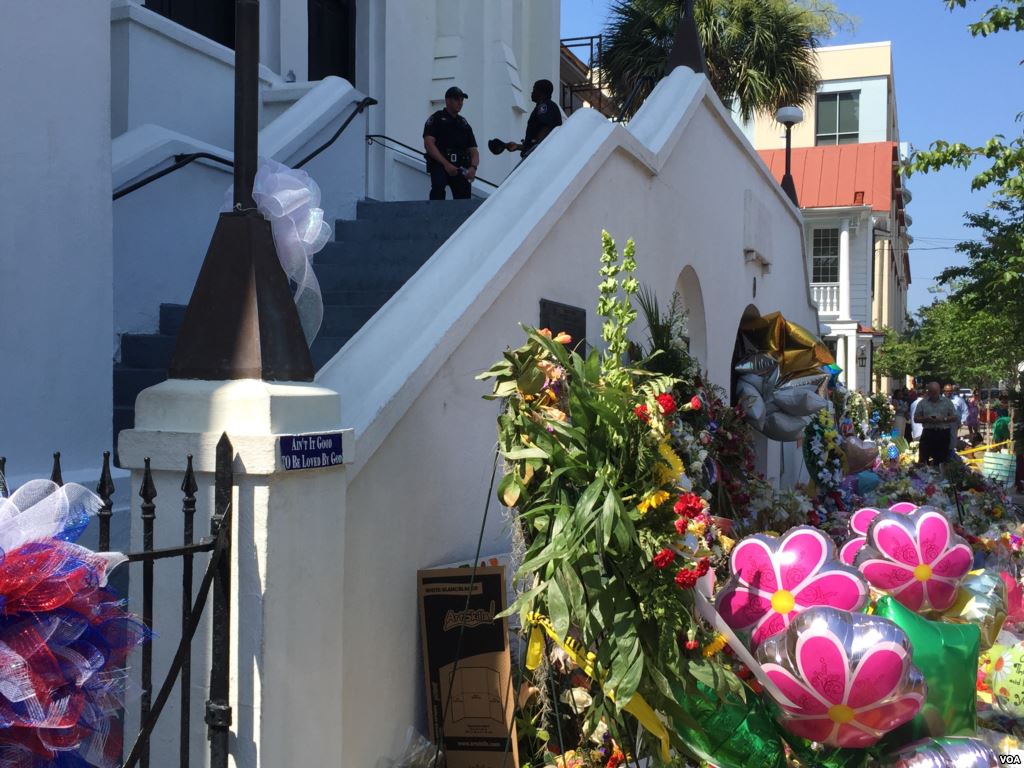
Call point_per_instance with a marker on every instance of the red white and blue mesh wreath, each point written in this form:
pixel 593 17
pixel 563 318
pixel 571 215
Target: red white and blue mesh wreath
pixel 64 637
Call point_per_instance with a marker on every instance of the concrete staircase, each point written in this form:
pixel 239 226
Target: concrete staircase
pixel 369 259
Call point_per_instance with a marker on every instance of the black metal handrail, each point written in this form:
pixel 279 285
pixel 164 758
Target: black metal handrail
pixel 369 101
pixel 180 161
pixel 633 94
pixel 415 154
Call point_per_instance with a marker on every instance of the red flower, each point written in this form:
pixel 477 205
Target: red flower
pixel 689 505
pixel 664 558
pixel 681 523
pixel 616 759
pixel 702 567
pixel 666 403
pixel 692 645
pixel 641 413
pixel 687 578
pixel 695 403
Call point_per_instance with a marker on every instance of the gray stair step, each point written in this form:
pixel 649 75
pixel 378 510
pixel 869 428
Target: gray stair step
pixel 147 350
pixel 348 313
pixel 357 298
pixel 368 230
pixel 355 277
pixel 124 418
pixel 171 317
pixel 128 382
pixel 324 348
pixel 373 209
pixel 379 255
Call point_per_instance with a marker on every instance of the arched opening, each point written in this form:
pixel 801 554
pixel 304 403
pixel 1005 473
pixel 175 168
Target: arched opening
pixel 692 299
pixel 739 351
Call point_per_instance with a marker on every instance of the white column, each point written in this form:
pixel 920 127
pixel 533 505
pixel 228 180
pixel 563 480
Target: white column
pixel 841 358
pixel 885 269
pixel 844 269
pixel 853 376
pixel 287 564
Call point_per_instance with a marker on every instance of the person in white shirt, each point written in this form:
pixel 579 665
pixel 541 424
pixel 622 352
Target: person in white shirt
pixel 953 395
pixel 915 428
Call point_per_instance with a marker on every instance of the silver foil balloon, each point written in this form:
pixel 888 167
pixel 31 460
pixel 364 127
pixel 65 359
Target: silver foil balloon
pixel 849 677
pixel 759 363
pixel 816 381
pixel 945 752
pixel 982 601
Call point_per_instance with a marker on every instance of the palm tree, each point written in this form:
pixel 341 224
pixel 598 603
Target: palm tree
pixel 759 52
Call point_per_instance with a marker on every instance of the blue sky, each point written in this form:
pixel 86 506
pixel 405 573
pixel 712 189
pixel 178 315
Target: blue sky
pixel 948 86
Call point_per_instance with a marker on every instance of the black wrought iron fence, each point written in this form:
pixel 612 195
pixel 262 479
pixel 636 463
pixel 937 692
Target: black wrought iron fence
pixel 216 580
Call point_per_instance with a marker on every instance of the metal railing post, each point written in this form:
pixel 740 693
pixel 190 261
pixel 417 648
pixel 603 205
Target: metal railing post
pixel 188 508
pixel 105 489
pixel 147 492
pixel 218 706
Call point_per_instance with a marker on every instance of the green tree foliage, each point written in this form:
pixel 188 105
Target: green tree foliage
pixel 899 355
pixel 1005 156
pixel 951 342
pixel 759 52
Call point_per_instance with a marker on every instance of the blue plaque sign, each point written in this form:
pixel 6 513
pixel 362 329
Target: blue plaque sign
pixel 311 451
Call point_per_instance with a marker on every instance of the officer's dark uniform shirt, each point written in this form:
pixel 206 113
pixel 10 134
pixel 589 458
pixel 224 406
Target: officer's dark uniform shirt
pixel 544 115
pixel 453 135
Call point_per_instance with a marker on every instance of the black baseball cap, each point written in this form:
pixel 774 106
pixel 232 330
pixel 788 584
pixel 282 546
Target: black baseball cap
pixel 455 93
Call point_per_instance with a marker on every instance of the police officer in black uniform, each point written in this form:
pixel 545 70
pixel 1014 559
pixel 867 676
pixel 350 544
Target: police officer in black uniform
pixel 452 156
pixel 544 118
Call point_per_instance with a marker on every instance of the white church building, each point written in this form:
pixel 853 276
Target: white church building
pixel 324 625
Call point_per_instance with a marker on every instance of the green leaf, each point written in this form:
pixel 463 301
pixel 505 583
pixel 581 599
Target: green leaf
pixel 558 608
pixel 509 489
pixel 525 453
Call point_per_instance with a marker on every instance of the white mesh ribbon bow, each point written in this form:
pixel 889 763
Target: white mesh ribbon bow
pixel 290 200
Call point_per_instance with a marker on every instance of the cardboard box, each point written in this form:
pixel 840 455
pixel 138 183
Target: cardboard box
pixel 467 666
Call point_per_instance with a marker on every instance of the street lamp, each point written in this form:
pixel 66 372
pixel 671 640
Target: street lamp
pixel 241 322
pixel 789 116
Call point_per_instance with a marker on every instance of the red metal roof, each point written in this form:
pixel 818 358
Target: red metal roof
pixel 838 176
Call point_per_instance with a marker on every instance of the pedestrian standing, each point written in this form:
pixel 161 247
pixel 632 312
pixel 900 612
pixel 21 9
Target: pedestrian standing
pixel 951 393
pixel 973 416
pixel 915 428
pixel 936 415
pixel 452 155
pixel 544 119
pixel 902 409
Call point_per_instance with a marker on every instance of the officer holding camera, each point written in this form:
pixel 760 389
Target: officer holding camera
pixel 452 156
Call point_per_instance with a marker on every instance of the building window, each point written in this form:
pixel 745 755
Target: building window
pixel 837 118
pixel 825 256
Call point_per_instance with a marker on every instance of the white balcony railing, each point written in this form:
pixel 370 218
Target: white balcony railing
pixel 826 296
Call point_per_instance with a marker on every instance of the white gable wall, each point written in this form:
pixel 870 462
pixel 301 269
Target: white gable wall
pixel 56 304
pixel 675 181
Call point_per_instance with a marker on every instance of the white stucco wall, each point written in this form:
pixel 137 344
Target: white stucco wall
pixel 675 181
pixel 170 76
pixel 55 254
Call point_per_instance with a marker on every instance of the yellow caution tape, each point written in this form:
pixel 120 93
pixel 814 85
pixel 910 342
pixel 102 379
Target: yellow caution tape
pixel 637 706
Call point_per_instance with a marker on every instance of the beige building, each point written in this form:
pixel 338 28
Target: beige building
pixel 844 164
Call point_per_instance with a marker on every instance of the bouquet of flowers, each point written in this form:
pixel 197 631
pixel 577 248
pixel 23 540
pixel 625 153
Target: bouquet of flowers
pixel 615 537
pixel 821 453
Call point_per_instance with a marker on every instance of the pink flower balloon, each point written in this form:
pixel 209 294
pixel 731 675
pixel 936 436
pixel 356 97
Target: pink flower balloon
pixel 859 522
pixel 916 558
pixel 773 580
pixel 848 677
